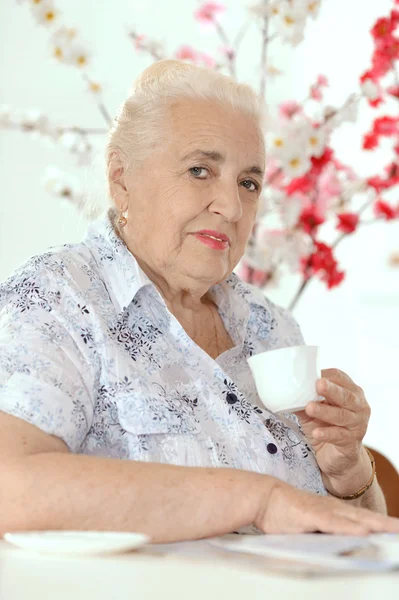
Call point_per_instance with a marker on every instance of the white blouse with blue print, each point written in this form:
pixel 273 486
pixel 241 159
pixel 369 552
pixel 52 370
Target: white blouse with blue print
pixel 90 353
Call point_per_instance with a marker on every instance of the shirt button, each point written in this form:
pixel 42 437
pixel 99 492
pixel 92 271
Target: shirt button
pixel 231 398
pixel 272 448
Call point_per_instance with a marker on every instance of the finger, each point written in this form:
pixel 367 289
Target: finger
pixel 374 521
pixel 340 396
pixel 334 415
pixel 339 436
pixel 339 524
pixel 340 378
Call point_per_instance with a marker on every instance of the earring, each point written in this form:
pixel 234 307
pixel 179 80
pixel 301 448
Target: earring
pixel 122 220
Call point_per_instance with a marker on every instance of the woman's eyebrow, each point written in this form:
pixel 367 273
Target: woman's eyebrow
pixel 218 157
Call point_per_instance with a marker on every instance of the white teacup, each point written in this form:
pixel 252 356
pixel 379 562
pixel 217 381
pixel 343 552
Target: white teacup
pixel 286 378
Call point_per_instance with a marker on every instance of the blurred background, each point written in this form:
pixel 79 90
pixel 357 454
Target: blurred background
pixel 356 324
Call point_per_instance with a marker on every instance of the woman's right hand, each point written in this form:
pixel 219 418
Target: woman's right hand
pixel 289 510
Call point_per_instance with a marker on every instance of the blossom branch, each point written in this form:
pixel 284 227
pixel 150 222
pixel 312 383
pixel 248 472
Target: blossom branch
pixel 231 56
pixel 100 104
pixel 265 41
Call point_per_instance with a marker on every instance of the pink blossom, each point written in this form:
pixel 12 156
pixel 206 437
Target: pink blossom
pixel 274 175
pixel 207 60
pixel 289 109
pixel 187 53
pixel 137 42
pixel 322 81
pixel 329 185
pixel 227 51
pixel 208 11
pixel 315 93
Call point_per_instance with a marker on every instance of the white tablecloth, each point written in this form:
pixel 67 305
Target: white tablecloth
pixel 190 571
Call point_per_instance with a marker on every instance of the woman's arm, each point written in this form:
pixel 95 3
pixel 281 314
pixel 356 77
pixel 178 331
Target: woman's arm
pixel 55 490
pixel 169 503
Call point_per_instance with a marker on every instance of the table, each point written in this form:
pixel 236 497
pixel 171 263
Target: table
pixel 165 572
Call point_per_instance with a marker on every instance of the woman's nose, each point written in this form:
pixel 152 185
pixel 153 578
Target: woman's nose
pixel 227 202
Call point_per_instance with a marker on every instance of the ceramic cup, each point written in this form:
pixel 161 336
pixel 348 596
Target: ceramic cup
pixel 286 378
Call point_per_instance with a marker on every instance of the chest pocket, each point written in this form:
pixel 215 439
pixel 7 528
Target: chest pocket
pixel 163 430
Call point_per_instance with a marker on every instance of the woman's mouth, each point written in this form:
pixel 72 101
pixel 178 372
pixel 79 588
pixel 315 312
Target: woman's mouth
pixel 212 241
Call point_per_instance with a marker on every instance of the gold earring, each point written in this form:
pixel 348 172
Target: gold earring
pixel 122 220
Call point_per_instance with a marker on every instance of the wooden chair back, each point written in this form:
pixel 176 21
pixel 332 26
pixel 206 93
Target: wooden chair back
pixel 388 478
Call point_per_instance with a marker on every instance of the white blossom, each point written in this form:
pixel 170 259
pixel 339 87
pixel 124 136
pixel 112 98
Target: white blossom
pixel 44 12
pixel 312 7
pixel 295 164
pixel 347 113
pixel 316 142
pixel 5 115
pixel 63 185
pixel 370 89
pixel 68 49
pixel 290 23
pixel 290 210
pixel 267 9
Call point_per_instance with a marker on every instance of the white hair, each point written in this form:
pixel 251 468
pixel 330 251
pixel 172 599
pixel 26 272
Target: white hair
pixel 139 125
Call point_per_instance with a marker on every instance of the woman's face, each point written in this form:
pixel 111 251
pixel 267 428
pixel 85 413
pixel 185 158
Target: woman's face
pixel 207 176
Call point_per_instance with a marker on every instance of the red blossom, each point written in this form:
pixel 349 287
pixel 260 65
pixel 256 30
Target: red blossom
pixel 378 183
pixel 348 222
pixel 381 63
pixel 310 219
pixel 383 28
pixel 392 170
pixel 334 278
pixel 322 262
pixel 304 184
pixel 384 210
pixel 370 141
pixel 385 126
pixel 393 90
pixel 319 163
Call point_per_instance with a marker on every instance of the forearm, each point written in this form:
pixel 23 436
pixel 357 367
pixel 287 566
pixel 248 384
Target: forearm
pixel 169 503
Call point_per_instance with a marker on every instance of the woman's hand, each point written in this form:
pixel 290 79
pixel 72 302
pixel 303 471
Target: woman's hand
pixel 335 428
pixel 286 509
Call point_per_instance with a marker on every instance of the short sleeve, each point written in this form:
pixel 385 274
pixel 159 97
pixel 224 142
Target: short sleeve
pixel 44 378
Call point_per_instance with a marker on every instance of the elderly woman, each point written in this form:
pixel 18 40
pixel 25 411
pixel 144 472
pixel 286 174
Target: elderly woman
pixel 126 399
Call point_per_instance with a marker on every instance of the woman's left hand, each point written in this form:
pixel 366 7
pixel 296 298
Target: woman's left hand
pixel 335 428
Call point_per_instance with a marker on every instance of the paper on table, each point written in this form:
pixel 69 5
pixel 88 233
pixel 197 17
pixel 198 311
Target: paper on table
pixel 319 549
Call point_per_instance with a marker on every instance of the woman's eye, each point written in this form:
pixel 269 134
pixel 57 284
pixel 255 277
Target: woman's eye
pixel 250 182
pixel 196 171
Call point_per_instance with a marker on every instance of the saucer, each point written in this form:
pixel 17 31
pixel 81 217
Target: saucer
pixel 77 542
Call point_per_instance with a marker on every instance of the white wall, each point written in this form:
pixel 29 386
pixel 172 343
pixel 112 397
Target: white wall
pixel 357 325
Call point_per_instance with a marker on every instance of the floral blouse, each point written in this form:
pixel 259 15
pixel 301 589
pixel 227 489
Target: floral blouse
pixel 90 353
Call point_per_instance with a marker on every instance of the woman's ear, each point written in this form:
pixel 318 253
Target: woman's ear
pixel 117 183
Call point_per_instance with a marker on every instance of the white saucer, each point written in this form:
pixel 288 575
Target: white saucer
pixel 77 542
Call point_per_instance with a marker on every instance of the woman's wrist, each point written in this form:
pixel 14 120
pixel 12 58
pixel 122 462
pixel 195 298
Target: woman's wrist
pixel 351 480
